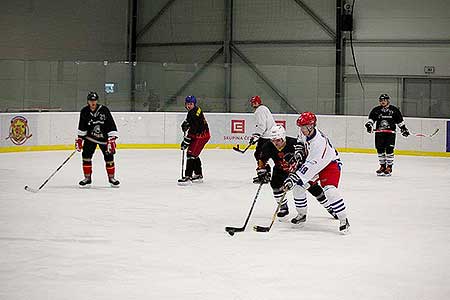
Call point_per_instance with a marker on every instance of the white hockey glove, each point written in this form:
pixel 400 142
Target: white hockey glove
pixel 300 153
pixel 291 181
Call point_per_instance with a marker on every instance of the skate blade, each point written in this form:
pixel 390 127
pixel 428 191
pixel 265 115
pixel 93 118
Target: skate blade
pixel 197 180
pixel 115 186
pixel 345 231
pixel 186 183
pixel 87 186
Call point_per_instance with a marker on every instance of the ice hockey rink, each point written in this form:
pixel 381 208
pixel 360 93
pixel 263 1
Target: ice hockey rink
pixel 151 239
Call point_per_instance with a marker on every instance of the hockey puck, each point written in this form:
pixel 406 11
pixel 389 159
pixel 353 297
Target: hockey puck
pixel 231 233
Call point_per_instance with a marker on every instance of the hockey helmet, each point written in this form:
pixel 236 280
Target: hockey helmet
pixel 255 100
pixel 307 118
pixel 384 97
pixel 278 132
pixel 190 99
pixel 92 96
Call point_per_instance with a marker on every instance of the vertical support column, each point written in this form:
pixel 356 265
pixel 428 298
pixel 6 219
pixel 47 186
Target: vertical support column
pixel 340 62
pixel 132 50
pixel 227 52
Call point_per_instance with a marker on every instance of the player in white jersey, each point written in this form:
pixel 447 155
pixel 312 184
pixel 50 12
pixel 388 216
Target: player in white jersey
pixel 322 161
pixel 261 135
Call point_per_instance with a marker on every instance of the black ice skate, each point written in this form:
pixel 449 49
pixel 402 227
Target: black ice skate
pixel 114 182
pixel 186 180
pixel 85 183
pixel 331 212
pixel 344 227
pixel 388 171
pixel 197 178
pixel 380 171
pixel 284 211
pixel 299 220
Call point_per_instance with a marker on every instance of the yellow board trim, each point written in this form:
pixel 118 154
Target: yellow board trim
pixel 208 146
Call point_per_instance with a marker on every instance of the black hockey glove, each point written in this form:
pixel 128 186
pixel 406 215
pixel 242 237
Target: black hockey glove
pixel 368 127
pixel 185 143
pixel 404 131
pixel 263 174
pixel 253 139
pixel 185 126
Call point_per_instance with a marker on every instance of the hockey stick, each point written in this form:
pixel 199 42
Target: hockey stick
pixel 27 188
pixel 236 148
pixel 182 159
pixel 267 229
pixel 232 230
pixel 417 134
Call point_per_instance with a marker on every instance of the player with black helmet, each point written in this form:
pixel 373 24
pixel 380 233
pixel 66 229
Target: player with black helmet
pixel 383 120
pixel 96 126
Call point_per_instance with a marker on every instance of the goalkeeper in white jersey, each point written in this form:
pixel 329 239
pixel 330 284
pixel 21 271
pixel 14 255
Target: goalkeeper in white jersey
pixel 322 161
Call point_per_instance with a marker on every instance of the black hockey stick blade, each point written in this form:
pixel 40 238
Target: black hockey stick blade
pixel 27 188
pixel 232 230
pixel 261 228
pixel 236 148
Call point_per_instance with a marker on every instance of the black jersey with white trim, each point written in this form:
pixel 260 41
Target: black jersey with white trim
pixel 282 158
pixel 98 124
pixel 386 118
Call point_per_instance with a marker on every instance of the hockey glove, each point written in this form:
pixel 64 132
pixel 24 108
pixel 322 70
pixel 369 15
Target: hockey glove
pixel 291 181
pixel 185 126
pixel 253 139
pixel 111 145
pixel 404 131
pixel 79 144
pixel 300 153
pixel 185 143
pixel 263 174
pixel 368 127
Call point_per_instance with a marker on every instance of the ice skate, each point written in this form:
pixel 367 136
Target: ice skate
pixel 114 182
pixel 381 170
pixel 344 226
pixel 388 171
pixel 299 220
pixel 283 211
pixel 332 213
pixel 85 183
pixel 186 180
pixel 197 178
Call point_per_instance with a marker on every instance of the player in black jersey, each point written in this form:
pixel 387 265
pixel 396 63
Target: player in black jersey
pixel 196 135
pixel 287 153
pixel 383 120
pixel 96 127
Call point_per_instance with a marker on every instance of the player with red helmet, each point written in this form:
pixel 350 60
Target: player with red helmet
pixel 261 135
pixel 322 161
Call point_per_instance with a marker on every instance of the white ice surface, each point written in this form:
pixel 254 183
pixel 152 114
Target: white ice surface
pixel 151 239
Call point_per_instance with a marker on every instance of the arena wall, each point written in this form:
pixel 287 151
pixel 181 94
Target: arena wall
pixel 147 130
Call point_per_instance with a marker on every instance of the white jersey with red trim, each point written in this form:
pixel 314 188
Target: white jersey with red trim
pixel 320 153
pixel 264 122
